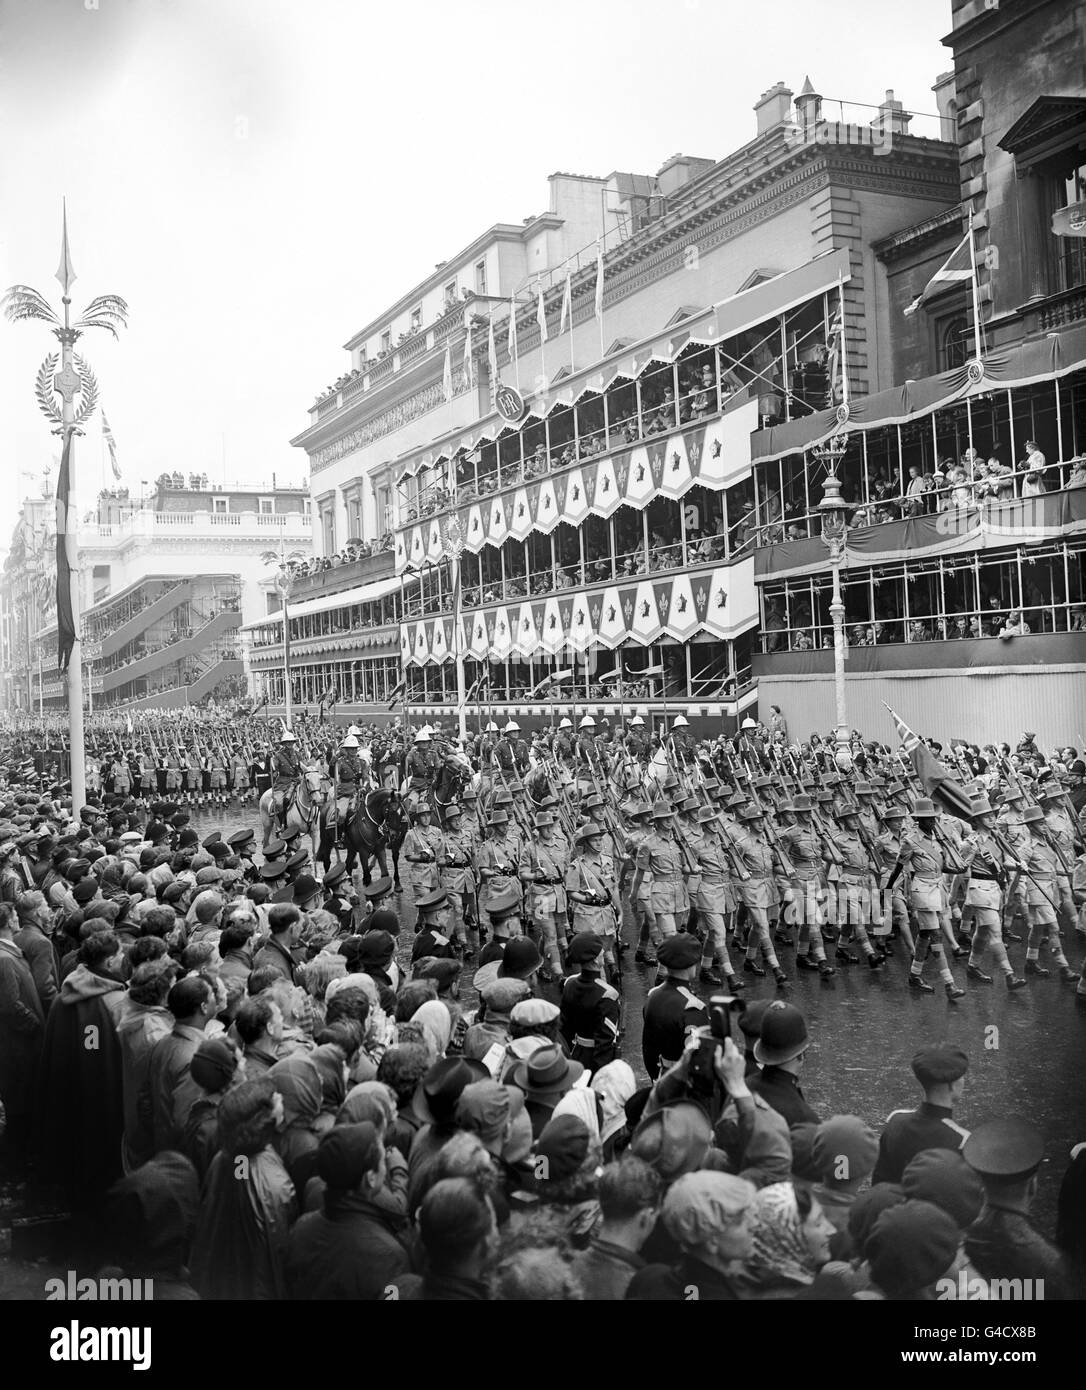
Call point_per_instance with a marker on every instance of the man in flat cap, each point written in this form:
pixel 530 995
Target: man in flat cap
pixel 941 1070
pixel 591 1009
pixel 1002 1243
pixel 672 1007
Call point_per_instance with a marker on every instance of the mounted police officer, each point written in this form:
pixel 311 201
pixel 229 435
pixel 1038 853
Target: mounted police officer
pixel 348 771
pixel 288 769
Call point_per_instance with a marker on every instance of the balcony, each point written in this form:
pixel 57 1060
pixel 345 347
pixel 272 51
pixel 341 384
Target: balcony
pixel 345 576
pixel 165 603
pixel 950 656
pixel 265 527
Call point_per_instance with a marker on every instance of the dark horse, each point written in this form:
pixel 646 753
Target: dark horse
pixel 455 774
pixel 378 823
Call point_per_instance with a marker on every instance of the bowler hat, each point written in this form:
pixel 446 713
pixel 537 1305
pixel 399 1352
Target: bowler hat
pixel 521 959
pixel 783 1036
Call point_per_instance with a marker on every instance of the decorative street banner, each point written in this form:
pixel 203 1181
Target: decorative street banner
pixel 716 602
pixel 715 455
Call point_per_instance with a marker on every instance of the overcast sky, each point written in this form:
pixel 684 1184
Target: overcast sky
pixel 259 178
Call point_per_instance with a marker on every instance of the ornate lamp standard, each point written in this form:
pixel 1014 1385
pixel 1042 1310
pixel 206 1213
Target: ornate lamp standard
pixel 833 512
pixel 108 311
pixel 284 586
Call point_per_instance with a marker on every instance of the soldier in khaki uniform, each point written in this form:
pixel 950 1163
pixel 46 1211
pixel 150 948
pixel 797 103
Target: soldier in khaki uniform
pixel 711 901
pixel 659 856
pixel 921 855
pixel 543 874
pixel 458 879
pixel 499 863
pixel 1043 864
pixel 421 849
pixel 590 883
pixel 758 891
pixel 806 849
pixel 984 895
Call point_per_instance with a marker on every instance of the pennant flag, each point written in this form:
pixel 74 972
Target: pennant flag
pixel 599 278
pixel 446 380
pixel 513 331
pixel 397 694
pixel 956 268
pixel 65 617
pixel 566 321
pixel 541 314
pixel 469 362
pixel 492 354
pixel 111 445
pixel 930 772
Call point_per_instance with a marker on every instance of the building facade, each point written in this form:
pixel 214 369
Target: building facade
pixel 964 578
pixel 569 489
pixel 167 582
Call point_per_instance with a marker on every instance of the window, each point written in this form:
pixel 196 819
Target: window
pixel 386 340
pixel 307 507
pixel 1067 187
pixel 450 294
pixel 384 508
pixel 416 318
pixel 951 339
pixel 267 506
pixel 220 504
pixel 328 528
pixel 480 277
pixel 362 353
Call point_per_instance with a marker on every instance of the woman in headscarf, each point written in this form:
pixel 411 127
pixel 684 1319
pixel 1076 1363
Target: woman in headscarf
pixel 614 1084
pixel 791 1242
pixel 371 1102
pixel 298 1081
pixel 328 1059
pixel 240 1247
pixel 436 1023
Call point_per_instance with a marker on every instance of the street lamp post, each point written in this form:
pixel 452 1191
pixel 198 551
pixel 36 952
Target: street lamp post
pixel 833 512
pixel 284 585
pixel 455 539
pixel 75 378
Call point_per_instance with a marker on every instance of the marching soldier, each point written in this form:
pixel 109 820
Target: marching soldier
pixel 757 891
pixel 714 900
pixel 239 775
pixel 563 742
pixel 543 873
pixel 499 863
pixel 639 829
pixel 659 856
pixel 984 894
pixel 458 879
pixel 217 780
pixel 858 889
pixel 888 843
pixel 806 849
pixel 591 1013
pixel 590 883
pixel 672 1008
pixel 921 854
pixel 1062 835
pixel 421 849
pixel 1043 865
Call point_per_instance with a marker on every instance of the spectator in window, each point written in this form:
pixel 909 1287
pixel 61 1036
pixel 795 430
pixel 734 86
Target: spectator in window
pixel 1034 461
pixel 802 642
pixel 1033 484
pixel 961 494
pixel 918 632
pixel 961 628
pixel 1077 476
pixel 1078 619
pixel 1015 626
pixel 916 489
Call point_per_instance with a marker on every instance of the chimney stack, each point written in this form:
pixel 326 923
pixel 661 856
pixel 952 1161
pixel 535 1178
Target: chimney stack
pixel 773 108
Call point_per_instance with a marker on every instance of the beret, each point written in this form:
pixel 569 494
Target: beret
pixel 213 1064
pixel 679 952
pixel 910 1246
pixel 942 1177
pixel 939 1064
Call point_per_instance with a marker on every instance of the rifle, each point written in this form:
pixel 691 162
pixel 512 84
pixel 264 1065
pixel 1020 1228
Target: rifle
pixel 735 860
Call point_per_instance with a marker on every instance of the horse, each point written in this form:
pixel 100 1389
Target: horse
pixel 377 824
pixel 455 774
pixel 305 812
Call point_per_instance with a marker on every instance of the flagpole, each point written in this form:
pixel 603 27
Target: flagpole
pixel 68 382
pixel 844 356
pixel 976 301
